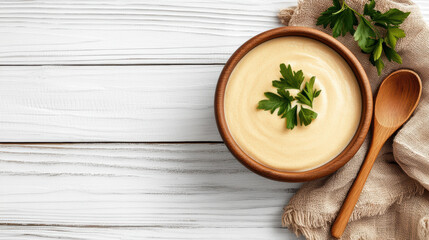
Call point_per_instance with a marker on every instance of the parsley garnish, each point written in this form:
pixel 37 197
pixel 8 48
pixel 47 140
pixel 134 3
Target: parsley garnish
pixel 306 116
pixel 291 118
pixel 307 94
pixel 341 19
pixel 290 80
pixel 283 100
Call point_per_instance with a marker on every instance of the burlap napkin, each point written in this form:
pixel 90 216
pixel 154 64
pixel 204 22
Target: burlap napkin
pixel 394 203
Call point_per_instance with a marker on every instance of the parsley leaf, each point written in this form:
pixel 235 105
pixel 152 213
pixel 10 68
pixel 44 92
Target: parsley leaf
pixel 307 94
pixel 392 17
pixel 344 23
pixel 378 50
pixel 364 35
pixel 329 17
pixel 290 79
pixel 306 116
pixel 391 54
pixel 281 100
pixel 341 18
pixel 369 10
pixel 392 36
pixel 375 57
pixel 379 64
pixel 291 118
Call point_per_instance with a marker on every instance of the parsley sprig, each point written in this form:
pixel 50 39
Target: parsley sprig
pixel 290 79
pixel 307 94
pixel 283 100
pixel 342 19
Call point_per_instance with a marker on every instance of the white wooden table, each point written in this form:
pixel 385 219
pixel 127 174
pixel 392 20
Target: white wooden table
pixel 106 119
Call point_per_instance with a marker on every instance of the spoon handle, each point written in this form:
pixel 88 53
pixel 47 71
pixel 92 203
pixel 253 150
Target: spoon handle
pixel 346 210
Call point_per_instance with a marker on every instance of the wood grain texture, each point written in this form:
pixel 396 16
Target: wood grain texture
pixel 132 32
pixel 135 185
pixel 130 191
pixel 110 103
pixel 397 98
pixel 104 104
pixel 139 233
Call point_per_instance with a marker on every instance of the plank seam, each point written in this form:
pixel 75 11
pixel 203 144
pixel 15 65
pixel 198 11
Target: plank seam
pixel 113 65
pixel 116 226
pixel 120 142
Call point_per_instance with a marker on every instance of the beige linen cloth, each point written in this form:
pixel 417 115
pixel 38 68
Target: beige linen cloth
pixel 394 203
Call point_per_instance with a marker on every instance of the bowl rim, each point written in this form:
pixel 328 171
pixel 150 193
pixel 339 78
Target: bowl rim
pixel 327 168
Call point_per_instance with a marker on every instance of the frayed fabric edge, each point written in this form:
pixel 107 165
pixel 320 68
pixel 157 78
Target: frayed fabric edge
pixel 305 223
pixel 285 15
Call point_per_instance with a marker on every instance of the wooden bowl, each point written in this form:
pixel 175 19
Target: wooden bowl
pixel 329 167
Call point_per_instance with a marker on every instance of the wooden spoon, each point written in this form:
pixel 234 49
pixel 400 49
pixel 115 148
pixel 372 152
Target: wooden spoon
pixel 396 100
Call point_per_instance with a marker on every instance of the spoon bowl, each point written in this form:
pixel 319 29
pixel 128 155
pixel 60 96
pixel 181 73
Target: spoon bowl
pixel 396 100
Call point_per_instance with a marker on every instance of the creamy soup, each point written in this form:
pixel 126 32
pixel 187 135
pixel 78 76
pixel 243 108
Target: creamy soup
pixel 264 136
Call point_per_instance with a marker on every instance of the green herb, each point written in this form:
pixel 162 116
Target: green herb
pixel 306 116
pixel 290 80
pixel 283 100
pixel 291 118
pixel 307 94
pixel 342 19
pixel 339 18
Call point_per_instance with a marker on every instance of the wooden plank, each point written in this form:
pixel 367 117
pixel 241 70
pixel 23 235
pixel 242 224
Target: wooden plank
pixel 132 32
pixel 108 103
pixel 50 232
pixel 135 185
